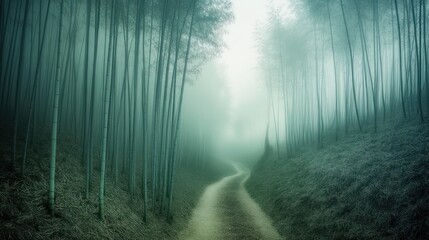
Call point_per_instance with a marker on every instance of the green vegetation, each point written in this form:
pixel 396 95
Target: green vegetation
pixel 111 76
pixel 24 210
pixel 368 186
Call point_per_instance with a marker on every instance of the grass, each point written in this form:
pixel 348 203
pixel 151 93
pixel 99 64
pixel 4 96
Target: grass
pixel 23 200
pixel 366 186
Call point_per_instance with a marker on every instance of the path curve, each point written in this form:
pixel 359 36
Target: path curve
pixel 226 211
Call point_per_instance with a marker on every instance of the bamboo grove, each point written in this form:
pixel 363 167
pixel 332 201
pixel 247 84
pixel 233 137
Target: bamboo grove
pixel 340 65
pixel 110 75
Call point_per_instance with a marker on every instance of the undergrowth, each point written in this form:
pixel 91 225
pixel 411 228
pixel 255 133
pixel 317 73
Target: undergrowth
pixel 23 200
pixel 366 186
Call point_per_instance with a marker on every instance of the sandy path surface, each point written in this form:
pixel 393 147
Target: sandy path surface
pixel 226 211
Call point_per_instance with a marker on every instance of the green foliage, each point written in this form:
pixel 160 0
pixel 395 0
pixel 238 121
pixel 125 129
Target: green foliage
pixel 367 186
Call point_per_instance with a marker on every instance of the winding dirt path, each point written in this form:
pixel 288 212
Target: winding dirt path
pixel 226 211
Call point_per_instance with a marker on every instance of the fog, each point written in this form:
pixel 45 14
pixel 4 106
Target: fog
pixel 143 96
pixel 240 125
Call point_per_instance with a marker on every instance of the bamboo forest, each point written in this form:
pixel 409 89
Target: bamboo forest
pixel 214 119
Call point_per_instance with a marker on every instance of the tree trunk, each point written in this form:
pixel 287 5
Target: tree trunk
pixel 54 121
pixel 352 66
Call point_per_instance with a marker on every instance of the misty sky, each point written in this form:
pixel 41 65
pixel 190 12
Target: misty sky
pixel 247 101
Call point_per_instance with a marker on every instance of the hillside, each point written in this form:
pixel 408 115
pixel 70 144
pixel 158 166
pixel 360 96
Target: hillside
pixel 23 200
pixel 365 186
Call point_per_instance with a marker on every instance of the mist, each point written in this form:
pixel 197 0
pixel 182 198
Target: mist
pixel 214 119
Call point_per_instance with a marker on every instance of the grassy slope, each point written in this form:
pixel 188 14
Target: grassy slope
pixel 23 213
pixel 366 186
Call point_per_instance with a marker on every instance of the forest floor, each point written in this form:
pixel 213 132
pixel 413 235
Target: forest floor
pixel 226 211
pixel 365 186
pixel 23 200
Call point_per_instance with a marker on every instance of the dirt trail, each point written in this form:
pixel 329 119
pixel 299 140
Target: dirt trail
pixel 226 211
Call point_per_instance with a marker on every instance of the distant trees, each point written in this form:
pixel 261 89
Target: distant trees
pixel 368 57
pixel 19 80
pixel 120 95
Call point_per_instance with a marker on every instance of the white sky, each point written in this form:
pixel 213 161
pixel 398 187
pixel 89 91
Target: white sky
pixel 240 58
pixel 248 94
